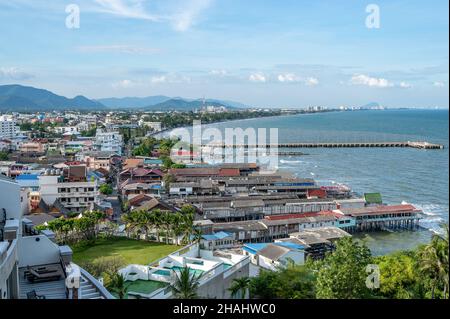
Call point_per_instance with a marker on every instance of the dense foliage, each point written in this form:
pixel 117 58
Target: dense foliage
pixel 75 229
pixel 106 189
pixel 172 225
pixel 3 156
pixel 418 274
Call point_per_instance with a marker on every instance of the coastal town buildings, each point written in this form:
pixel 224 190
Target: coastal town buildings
pixel 32 265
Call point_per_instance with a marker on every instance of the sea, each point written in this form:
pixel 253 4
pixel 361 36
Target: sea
pixel 419 177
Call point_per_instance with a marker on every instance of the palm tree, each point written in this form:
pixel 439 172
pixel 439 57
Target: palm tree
pixel 118 285
pixel 178 226
pixel 239 287
pixel 197 238
pixel 156 220
pixel 131 222
pixel 186 284
pixel 188 227
pixel 434 262
pixel 166 223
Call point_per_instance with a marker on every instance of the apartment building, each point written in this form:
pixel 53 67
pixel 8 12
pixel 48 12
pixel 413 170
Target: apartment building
pixel 108 141
pixel 8 127
pixel 69 189
pixel 96 159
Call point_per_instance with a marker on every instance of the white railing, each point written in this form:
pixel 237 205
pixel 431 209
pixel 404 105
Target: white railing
pixel 235 267
pixel 98 286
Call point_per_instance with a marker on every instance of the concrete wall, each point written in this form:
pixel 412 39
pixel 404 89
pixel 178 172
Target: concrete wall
pixel 48 251
pixel 217 288
pixel 10 199
pixel 8 269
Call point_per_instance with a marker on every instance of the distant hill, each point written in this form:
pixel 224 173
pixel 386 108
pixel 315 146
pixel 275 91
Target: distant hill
pixel 371 105
pixel 19 98
pixel 133 102
pixel 179 104
pixel 161 102
pixel 25 98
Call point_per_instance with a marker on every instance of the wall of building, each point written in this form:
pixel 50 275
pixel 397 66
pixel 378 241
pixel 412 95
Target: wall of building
pixel 10 199
pixel 217 288
pixel 28 246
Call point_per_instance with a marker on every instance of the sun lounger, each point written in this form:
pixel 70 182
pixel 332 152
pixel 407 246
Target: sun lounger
pixel 44 273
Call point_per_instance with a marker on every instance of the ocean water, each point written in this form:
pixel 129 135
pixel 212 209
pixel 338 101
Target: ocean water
pixel 419 177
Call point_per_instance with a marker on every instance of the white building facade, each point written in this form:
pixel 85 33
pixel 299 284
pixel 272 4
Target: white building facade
pixel 109 142
pixel 8 127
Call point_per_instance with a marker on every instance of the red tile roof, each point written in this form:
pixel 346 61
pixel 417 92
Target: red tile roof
pixel 229 172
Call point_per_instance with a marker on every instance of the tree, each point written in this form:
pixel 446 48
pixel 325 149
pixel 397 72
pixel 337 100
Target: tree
pixel 434 263
pixel 342 274
pixel 106 189
pixel 104 265
pixel 239 287
pixel 186 284
pixel 197 238
pixel 90 132
pixel 155 219
pixel 399 276
pixel 188 214
pixel 3 156
pixel 288 282
pixel 168 179
pixel 117 285
pixel 132 222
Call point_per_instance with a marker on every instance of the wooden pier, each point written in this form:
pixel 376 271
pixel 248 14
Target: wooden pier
pixel 418 145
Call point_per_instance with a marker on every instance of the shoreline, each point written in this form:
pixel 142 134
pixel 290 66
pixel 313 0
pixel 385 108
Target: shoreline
pixel 157 134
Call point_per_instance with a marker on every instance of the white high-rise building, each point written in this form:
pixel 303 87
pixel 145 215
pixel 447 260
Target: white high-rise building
pixel 109 141
pixel 8 127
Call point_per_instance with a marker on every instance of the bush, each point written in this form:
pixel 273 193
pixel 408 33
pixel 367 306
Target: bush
pixel 106 189
pixel 104 265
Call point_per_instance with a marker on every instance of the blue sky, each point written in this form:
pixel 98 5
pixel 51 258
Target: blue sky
pixel 289 53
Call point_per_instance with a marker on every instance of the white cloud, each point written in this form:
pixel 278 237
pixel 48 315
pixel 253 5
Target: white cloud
pixel 288 77
pixel 361 79
pixel 14 74
pixel 124 84
pixel 117 48
pixel 405 85
pixel 182 18
pixel 187 17
pixel 293 78
pixel 220 73
pixel 126 8
pixel 169 78
pixel 257 77
pixel 158 79
pixel 311 81
pixel 438 84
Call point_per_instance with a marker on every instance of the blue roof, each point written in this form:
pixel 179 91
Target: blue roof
pixel 254 248
pixel 216 236
pixel 153 161
pixel 27 177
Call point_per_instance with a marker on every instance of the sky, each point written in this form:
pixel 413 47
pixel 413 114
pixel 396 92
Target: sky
pixel 271 53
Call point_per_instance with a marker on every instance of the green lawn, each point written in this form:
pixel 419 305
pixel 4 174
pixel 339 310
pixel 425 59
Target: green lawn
pixel 133 251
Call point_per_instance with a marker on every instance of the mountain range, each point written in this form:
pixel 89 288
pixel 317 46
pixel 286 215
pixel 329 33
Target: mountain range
pixel 25 98
pixel 159 102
